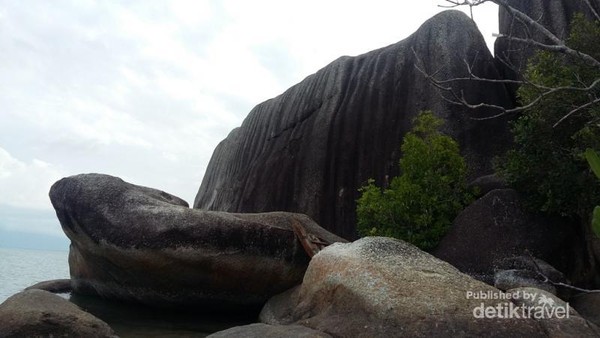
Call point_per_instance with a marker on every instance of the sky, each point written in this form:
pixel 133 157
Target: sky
pixel 145 90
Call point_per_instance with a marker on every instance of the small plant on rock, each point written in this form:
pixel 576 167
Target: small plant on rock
pixel 420 204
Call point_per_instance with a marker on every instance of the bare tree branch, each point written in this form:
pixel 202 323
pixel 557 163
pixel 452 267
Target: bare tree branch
pixel 461 100
pixel 553 44
pixel 545 278
pixel 592 9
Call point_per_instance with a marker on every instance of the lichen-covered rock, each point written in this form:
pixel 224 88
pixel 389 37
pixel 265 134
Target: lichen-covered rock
pixel 38 313
pixel 381 287
pixel 309 149
pixel 139 244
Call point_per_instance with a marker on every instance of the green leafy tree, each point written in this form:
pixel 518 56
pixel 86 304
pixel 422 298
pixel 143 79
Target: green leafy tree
pixel 421 203
pixel 547 164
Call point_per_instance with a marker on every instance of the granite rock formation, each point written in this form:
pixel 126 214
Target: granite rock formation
pixel 554 15
pixel 139 244
pixel 496 227
pixel 381 287
pixel 38 313
pixel 311 148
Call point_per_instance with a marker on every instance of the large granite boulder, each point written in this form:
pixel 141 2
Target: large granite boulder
pixel 555 15
pixel 38 313
pixel 588 306
pixel 309 149
pixel 135 243
pixel 557 318
pixel 496 227
pixel 381 287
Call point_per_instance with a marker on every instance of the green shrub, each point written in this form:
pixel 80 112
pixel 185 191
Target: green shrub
pixel 547 165
pixel 421 203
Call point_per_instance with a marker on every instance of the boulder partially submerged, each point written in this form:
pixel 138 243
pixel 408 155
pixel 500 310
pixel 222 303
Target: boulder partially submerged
pixel 140 244
pixel 38 313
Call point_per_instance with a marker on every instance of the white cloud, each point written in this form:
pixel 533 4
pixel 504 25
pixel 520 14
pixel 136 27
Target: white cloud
pixel 26 185
pixel 146 90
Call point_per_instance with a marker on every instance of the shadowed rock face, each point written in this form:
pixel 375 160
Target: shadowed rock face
pixel 311 148
pixel 555 15
pixel 135 243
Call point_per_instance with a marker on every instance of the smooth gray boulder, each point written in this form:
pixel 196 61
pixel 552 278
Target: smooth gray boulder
pixel 140 244
pixel 38 313
pixel 311 148
pixel 381 287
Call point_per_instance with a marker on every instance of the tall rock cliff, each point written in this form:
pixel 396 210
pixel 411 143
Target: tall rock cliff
pixel 554 15
pixel 311 148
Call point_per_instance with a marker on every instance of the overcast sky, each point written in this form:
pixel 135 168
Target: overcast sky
pixel 145 90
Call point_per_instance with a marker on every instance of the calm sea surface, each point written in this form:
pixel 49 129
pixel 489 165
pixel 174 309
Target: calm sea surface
pixel 20 268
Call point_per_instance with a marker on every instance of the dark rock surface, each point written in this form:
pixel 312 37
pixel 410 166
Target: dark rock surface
pixel 555 15
pixel 496 227
pixel 54 286
pixel 381 287
pixel 140 244
pixel 515 278
pixel 588 306
pixel 38 313
pixel 270 331
pixel 555 325
pixel 311 148
pixel 484 184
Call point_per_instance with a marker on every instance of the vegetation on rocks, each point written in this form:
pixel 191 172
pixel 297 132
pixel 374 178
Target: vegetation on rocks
pixel 548 165
pixel 420 204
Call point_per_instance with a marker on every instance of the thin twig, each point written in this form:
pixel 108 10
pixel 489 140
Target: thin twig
pixel 560 284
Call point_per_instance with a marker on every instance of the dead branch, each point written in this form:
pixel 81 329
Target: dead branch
pixel 555 44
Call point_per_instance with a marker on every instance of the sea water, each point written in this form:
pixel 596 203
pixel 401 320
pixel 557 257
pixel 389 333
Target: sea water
pixel 20 268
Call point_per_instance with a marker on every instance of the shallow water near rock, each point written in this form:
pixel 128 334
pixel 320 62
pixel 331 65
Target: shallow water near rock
pixel 133 320
pixel 20 268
